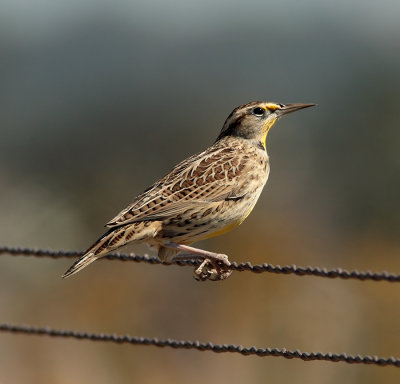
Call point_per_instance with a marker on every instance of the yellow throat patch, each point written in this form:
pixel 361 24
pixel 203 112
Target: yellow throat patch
pixel 266 129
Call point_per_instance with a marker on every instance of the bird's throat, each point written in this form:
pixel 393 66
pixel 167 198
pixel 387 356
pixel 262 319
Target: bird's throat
pixel 266 129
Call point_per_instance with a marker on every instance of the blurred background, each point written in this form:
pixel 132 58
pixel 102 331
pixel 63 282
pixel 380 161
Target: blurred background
pixel 98 99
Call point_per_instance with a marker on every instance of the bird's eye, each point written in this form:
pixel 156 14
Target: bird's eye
pixel 258 111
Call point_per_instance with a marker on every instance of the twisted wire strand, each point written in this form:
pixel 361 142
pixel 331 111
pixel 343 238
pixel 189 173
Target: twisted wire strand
pixel 188 344
pixel 258 268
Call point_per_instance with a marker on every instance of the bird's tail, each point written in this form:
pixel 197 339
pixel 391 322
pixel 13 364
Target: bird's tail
pixel 115 238
pixel 112 240
pixel 80 264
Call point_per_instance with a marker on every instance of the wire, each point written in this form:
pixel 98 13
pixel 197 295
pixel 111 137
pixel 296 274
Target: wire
pixel 187 344
pixel 258 268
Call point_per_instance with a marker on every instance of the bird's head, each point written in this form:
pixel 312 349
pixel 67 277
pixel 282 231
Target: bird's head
pixel 253 121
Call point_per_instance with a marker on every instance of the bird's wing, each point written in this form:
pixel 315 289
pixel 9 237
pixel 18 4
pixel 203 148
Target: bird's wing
pixel 208 177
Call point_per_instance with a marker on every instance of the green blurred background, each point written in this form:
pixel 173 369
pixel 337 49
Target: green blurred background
pixel 100 98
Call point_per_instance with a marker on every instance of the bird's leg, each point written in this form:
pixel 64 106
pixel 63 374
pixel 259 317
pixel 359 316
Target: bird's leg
pixel 218 262
pixel 197 253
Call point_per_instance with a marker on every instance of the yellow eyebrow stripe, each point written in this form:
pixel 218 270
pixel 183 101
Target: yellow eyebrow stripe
pixel 272 106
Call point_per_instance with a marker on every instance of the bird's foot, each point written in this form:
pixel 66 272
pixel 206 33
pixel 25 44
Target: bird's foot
pixel 213 269
pixel 214 266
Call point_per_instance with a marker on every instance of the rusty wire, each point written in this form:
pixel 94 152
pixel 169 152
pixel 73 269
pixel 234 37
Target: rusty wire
pixel 217 348
pixel 258 268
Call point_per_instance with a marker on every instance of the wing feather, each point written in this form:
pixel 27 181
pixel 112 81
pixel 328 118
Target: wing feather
pixel 204 178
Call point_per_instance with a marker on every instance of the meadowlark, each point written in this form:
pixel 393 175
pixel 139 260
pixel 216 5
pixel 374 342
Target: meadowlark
pixel 206 195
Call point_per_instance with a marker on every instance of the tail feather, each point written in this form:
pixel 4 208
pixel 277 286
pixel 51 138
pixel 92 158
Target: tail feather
pixel 80 264
pixel 113 239
pixel 108 242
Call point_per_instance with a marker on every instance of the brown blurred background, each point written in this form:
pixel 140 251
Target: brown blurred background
pixel 98 99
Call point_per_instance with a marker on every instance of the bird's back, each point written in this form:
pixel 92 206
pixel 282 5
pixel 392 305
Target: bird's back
pixel 205 195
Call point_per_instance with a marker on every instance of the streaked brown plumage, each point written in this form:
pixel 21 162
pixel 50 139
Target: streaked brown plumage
pixel 205 195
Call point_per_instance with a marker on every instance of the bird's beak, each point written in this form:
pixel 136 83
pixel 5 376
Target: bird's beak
pixel 289 108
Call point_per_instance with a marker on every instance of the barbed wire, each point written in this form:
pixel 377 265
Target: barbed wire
pixel 240 267
pixel 217 348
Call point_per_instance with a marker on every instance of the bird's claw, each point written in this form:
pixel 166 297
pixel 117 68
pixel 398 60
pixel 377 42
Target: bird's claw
pixel 213 269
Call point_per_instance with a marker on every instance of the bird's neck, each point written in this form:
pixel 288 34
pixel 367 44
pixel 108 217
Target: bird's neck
pixel 242 142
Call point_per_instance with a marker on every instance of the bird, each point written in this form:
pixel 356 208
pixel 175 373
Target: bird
pixel 205 195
